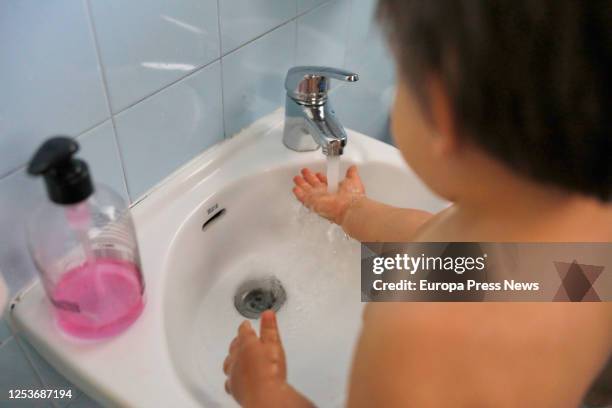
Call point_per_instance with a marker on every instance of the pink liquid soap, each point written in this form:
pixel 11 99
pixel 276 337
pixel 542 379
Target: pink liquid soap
pixel 99 299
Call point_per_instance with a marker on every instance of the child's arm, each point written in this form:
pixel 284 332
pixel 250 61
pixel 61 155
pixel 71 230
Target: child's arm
pixel 363 219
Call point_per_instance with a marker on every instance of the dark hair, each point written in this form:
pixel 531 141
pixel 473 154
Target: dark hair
pixel 529 80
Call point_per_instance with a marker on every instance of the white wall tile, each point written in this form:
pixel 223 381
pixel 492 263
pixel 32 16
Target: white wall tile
pixel 365 105
pixel 4 299
pixel 244 20
pixel 21 375
pixel 165 131
pixel 147 44
pixel 48 376
pixel 49 76
pixel 20 194
pixel 99 148
pixel 254 77
pixel 365 39
pixel 5 331
pixel 305 5
pixel 322 34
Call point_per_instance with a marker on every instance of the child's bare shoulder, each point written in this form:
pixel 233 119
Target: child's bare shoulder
pixel 582 220
pixel 442 227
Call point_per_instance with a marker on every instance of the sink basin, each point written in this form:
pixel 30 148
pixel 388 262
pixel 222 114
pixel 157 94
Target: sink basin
pixel 226 218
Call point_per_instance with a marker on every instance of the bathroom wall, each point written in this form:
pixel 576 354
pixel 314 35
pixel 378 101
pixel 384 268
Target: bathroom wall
pixel 145 86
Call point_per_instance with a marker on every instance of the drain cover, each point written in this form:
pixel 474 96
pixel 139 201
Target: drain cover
pixel 258 295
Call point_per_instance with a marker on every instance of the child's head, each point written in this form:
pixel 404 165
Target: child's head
pixel 525 82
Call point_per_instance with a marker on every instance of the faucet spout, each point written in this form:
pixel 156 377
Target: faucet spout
pixel 325 129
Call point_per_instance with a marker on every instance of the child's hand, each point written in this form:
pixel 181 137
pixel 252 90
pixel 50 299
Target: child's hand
pixel 255 366
pixel 311 190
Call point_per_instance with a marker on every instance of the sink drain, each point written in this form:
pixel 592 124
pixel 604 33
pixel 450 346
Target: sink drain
pixel 258 295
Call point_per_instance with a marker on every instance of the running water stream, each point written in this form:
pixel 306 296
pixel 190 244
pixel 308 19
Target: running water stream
pixel 333 173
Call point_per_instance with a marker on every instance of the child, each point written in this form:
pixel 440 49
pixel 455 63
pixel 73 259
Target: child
pixel 503 108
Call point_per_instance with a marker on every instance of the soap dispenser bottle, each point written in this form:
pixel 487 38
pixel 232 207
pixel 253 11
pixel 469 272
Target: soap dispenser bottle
pixel 84 246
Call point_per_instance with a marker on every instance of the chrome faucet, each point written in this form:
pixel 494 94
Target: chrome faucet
pixel 310 121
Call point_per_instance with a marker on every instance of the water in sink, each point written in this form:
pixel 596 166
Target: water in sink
pixel 319 271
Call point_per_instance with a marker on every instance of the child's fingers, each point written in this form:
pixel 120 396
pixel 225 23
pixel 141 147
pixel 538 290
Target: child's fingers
pixel 269 329
pixel 300 182
pixel 234 345
pixel 322 178
pixel 245 330
pixel 227 364
pixel 352 172
pixel 299 193
pixel 310 177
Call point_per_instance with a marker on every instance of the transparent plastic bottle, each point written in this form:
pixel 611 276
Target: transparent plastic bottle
pixel 84 246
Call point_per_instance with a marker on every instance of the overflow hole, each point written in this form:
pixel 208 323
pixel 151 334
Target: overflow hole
pixel 212 219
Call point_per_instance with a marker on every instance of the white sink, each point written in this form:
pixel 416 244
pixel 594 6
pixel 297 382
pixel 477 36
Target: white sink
pixel 172 355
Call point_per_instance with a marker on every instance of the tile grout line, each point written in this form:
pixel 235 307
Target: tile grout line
pixel 27 353
pixel 252 40
pixel 221 68
pixel 295 34
pixel 222 55
pixel 219 59
pixel 294 18
pixel 92 27
pixel 5 340
pixel 13 171
pixel 29 361
pixel 22 166
pixel 176 81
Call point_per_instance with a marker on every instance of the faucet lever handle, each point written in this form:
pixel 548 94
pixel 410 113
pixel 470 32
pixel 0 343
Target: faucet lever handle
pixel 311 83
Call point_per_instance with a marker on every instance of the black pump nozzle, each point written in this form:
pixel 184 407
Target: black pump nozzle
pixel 66 177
